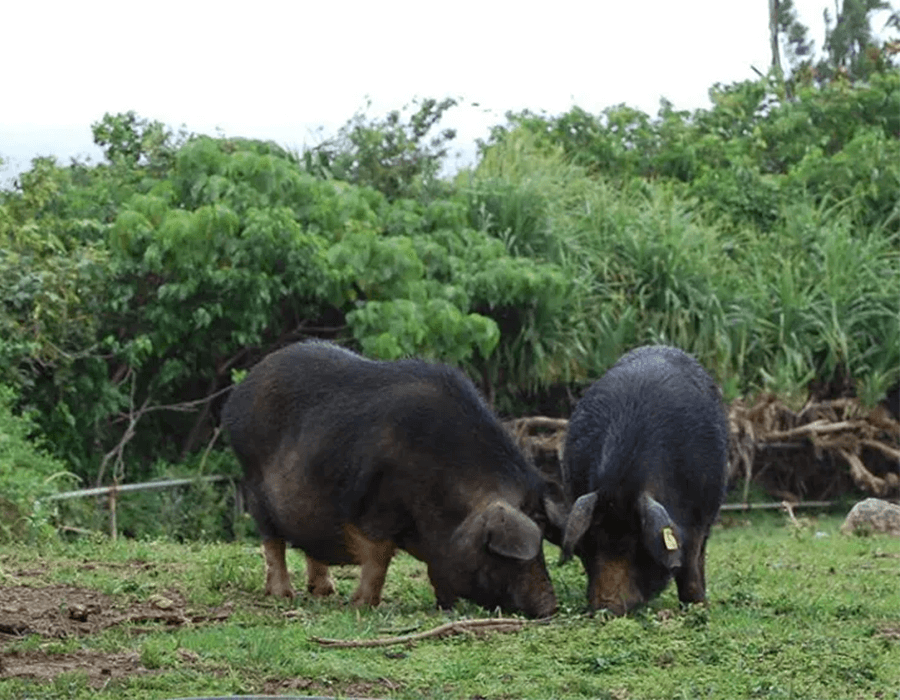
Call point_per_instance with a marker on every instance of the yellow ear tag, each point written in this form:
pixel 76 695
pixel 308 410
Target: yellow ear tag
pixel 669 539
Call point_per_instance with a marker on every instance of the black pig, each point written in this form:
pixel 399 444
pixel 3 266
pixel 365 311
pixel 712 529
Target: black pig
pixel 645 457
pixel 349 459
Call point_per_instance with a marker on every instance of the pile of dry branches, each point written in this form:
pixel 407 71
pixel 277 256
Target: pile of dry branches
pixel 817 453
pixel 836 438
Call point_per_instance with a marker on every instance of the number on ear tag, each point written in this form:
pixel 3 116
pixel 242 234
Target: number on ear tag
pixel 669 539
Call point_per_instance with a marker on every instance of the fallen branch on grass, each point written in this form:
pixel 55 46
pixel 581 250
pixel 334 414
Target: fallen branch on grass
pixel 497 624
pixel 172 621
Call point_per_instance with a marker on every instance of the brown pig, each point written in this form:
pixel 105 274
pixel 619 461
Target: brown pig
pixel 350 459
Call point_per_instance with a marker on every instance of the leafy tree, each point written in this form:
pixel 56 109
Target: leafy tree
pixel 791 33
pixel 851 51
pixel 393 155
pixel 129 140
pixel 851 48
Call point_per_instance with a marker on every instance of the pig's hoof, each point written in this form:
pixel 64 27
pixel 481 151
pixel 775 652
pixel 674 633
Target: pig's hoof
pixel 321 588
pixel 279 588
pixel 362 600
pixel 446 603
pixel 281 591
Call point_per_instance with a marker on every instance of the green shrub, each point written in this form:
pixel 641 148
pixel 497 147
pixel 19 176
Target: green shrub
pixel 27 474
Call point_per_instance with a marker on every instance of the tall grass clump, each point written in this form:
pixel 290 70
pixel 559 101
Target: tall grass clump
pixel 664 277
pixel 812 297
pixel 820 296
pixel 518 192
pixel 516 195
pixel 643 270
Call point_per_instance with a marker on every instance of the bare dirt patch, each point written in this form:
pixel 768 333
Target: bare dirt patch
pixel 99 667
pixel 61 611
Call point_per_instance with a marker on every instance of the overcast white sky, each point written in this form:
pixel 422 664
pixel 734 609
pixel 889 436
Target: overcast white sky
pixel 277 70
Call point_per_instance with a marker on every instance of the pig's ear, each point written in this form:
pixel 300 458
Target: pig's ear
pixel 578 522
pixel 661 536
pixel 510 533
pixel 555 506
pixel 556 512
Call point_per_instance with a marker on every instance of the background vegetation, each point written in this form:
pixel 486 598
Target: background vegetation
pixel 761 235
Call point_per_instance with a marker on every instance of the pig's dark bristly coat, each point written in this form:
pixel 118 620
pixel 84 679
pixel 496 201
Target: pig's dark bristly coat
pixel 348 458
pixel 645 464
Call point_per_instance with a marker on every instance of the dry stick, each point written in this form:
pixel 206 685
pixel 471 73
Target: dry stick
pixel 862 476
pixel 889 451
pixel 498 624
pixel 200 421
pixel 183 407
pixel 133 418
pixel 116 452
pixel 540 422
pixel 832 403
pixel 188 406
pixel 816 427
pixel 193 436
pixel 786 505
pixel 113 523
pixel 208 448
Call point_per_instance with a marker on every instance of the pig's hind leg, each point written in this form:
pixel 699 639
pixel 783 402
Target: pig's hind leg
pixel 319 581
pixel 374 557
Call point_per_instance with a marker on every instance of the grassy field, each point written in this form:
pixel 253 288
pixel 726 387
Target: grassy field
pixel 794 612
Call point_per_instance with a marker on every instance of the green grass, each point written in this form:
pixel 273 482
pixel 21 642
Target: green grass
pixel 793 613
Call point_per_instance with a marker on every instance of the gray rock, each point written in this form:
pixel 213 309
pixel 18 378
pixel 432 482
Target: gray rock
pixel 873 515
